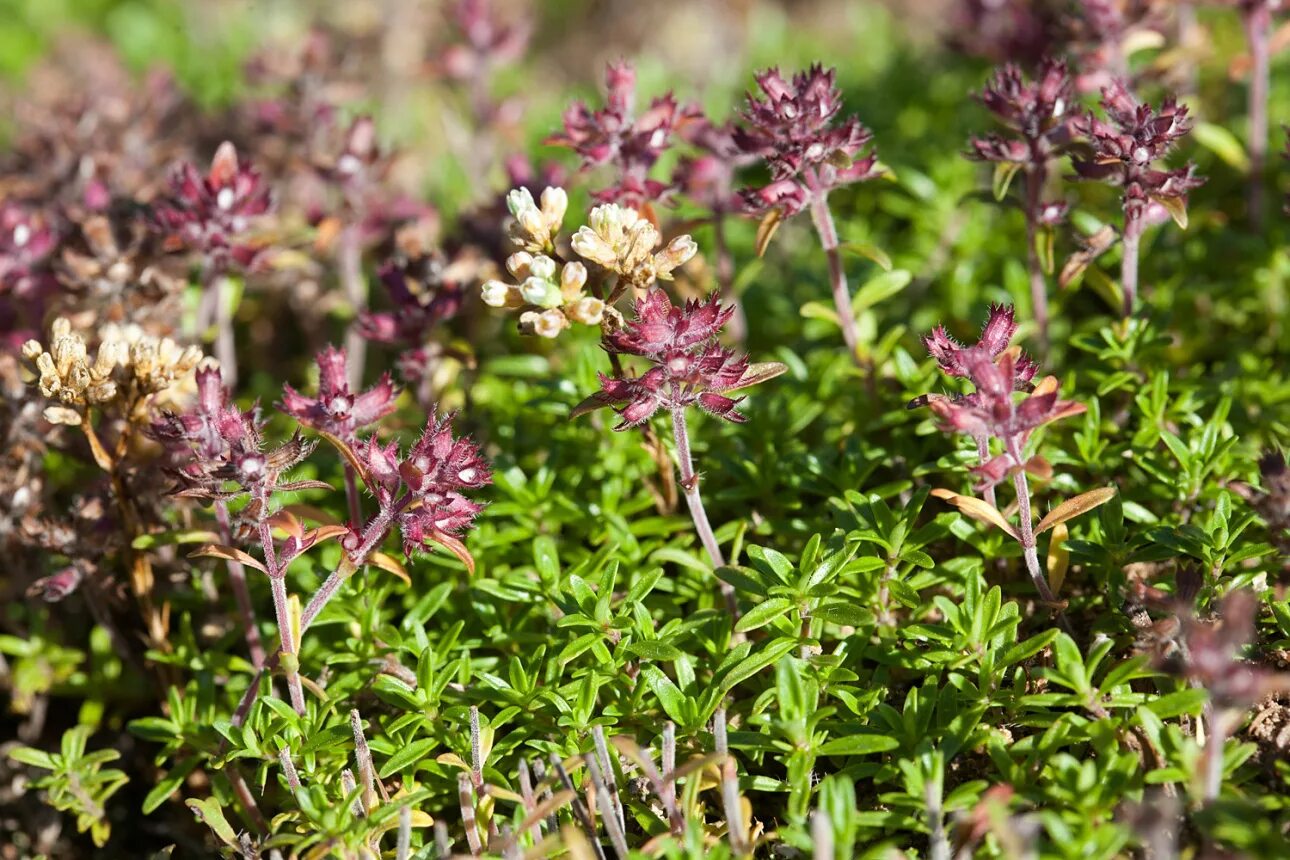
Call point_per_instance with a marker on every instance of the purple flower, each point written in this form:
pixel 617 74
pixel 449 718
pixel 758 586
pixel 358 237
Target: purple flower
pixel 689 367
pixel 996 371
pixel 1126 145
pixel 216 445
pixel 213 213
pixel 337 410
pixel 1038 113
pixel 425 291
pixel 434 475
pixel 26 243
pixel 791 128
pixel 616 135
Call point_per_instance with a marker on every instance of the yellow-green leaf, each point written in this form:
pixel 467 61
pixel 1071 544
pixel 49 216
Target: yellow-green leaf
pixel 1075 506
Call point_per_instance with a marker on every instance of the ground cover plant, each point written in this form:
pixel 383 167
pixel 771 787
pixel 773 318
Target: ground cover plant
pixel 432 434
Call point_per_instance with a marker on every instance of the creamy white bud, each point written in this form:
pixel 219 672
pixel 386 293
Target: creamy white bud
pixel 494 293
pixel 587 310
pixel 518 264
pixel 542 267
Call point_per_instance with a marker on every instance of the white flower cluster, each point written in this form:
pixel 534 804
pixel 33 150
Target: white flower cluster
pixel 620 240
pixel 554 299
pixel 534 228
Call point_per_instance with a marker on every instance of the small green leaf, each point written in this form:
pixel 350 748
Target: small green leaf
pixel 653 649
pixel 1004 171
pixel 859 745
pixel 1222 143
pixel 869 252
pixel 669 695
pixel 408 756
pixel 763 613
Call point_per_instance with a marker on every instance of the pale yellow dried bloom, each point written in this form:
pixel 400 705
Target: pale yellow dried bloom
pixel 534 229
pixel 617 238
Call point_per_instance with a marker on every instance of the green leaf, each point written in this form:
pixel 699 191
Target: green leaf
pixel 653 649
pixel 1179 703
pixel 1218 140
pixel 859 745
pixel 879 289
pixel 33 757
pixel 168 785
pixel 209 811
pixel 1004 171
pixel 669 695
pixel 763 613
pixel 408 756
pixel 845 614
pixel 869 252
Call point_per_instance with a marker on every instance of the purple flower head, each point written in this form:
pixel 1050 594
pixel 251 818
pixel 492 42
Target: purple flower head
pixel 1126 145
pixel 1211 659
pixel 426 291
pixel 337 410
pixel 358 164
pixel 26 243
pixel 791 127
pixel 216 445
pixel 1038 113
pixel 212 213
pixel 487 41
pixel 708 178
pixel 616 135
pixel 689 367
pixel 996 336
pixel 997 371
pixel 436 471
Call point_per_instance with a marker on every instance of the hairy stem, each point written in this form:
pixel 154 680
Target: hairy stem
pixel 289 649
pixel 351 496
pixel 690 484
pixel 225 344
pixel 350 262
pixel 1028 536
pixel 983 454
pixel 1129 264
pixel 1214 753
pixel 1258 21
pixel 241 592
pixel 822 218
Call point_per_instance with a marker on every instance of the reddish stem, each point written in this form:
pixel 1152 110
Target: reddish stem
pixel 241 592
pixel 1258 22
pixel 822 218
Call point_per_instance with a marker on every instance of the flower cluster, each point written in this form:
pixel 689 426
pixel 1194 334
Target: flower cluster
pixel 1038 115
pixel 128 365
pixel 1125 148
pixel 554 298
pixel 1211 661
pixel 791 127
pixel 709 177
pixel 220 449
pixel 336 410
pixel 689 367
pixel 65 372
pixel 534 229
pixel 614 134
pixel 26 243
pixel 213 213
pixel 623 242
pixel 996 370
pixel 434 475
pixel 426 290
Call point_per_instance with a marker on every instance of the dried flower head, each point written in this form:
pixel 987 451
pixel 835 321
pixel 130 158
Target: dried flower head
pixel 552 294
pixel 619 240
pixel 534 229
pixel 213 213
pixel 336 410
pixel 1128 143
pixel 615 134
pixel 152 364
pixel 791 127
pixel 689 367
pixel 65 372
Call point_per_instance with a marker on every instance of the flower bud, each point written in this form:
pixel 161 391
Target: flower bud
pixel 536 291
pixel 518 264
pixel 587 310
pixel 573 277
pixel 496 294
pixel 542 267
